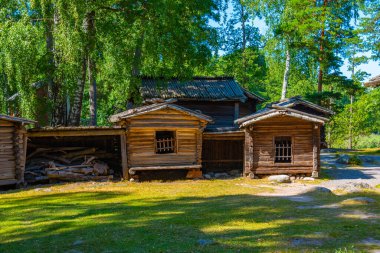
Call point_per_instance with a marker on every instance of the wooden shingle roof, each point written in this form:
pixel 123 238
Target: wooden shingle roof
pixel 297 100
pixel 199 88
pixel 17 119
pixel 285 107
pixel 154 107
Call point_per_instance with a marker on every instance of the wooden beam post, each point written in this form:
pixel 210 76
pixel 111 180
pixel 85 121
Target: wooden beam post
pixel 248 153
pixel 316 139
pixel 124 157
pixel 236 112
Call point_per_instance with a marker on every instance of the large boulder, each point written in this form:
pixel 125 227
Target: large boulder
pixel 279 178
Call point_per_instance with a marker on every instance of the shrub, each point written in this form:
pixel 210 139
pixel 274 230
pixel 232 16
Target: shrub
pixel 354 160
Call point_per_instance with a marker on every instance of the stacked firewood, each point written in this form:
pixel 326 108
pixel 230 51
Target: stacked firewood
pixel 67 164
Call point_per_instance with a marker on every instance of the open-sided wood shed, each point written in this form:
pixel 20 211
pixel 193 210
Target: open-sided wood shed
pixel 13 143
pixel 284 138
pixel 163 136
pixel 108 140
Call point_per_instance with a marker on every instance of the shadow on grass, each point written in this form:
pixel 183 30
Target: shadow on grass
pixel 118 222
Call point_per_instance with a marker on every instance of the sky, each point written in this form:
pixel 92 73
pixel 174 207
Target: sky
pixel 372 67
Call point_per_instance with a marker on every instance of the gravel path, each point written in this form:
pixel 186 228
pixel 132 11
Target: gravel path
pixel 342 174
pixel 342 177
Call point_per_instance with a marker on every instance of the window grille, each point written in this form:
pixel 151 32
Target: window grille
pixel 283 146
pixel 165 142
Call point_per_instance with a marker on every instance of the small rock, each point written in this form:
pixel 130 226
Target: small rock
pixel 279 178
pixel 322 189
pixel 132 180
pixel 306 241
pixel 78 242
pixel 308 179
pixel 204 242
pixel 207 176
pixel 292 178
pixel 343 159
pixel 234 173
pixel 221 175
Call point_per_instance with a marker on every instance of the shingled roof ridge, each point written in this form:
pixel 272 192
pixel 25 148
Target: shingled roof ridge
pixel 187 78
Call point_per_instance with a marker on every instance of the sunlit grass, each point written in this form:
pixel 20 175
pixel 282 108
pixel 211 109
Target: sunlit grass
pixel 175 216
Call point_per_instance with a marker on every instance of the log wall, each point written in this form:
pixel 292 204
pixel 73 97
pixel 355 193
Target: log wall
pixel 260 150
pixel 141 139
pixel 223 112
pixel 12 152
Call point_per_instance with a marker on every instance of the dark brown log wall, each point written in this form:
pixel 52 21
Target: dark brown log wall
pixel 141 139
pixel 222 112
pixel 222 155
pixel 12 152
pixel 261 153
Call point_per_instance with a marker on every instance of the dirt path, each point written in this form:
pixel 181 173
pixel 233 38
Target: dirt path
pixel 342 177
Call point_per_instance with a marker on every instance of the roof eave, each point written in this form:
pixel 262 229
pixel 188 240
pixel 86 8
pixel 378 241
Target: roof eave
pixel 278 112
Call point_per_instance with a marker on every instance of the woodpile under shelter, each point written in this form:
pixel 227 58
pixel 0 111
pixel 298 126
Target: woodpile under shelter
pixel 77 152
pixel 163 136
pixel 284 138
pixel 13 143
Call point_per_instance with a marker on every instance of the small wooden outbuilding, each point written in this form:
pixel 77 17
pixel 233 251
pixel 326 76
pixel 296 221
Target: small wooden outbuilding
pixel 284 138
pixel 13 142
pixel 163 136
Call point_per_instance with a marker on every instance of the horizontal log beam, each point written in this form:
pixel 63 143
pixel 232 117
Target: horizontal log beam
pixel 133 170
pixel 63 133
pixel 8 181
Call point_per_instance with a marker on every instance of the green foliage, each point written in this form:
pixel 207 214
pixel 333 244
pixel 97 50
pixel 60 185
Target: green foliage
pixel 368 141
pixel 354 160
pixel 363 120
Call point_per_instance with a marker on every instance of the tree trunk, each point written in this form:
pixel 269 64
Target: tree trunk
pixel 92 91
pixel 321 49
pixel 135 73
pixel 54 86
pixel 350 127
pixel 286 75
pixel 76 109
pixel 244 43
pixel 90 30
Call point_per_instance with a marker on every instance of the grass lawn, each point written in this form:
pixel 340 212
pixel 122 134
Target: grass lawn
pixel 226 215
pixel 366 151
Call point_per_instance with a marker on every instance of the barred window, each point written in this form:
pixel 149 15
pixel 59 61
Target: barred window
pixel 165 142
pixel 283 146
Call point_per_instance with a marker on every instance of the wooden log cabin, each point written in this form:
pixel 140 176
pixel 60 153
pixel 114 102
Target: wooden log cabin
pixel 13 143
pixel 284 138
pixel 221 98
pixel 163 136
pixel 206 125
